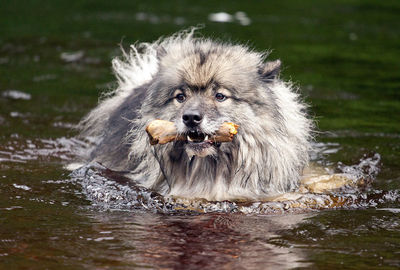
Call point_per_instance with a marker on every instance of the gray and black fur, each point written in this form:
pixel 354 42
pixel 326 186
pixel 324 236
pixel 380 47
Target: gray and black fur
pixel 182 79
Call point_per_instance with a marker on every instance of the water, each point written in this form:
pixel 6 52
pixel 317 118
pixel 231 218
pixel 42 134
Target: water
pixel 343 54
pixel 112 190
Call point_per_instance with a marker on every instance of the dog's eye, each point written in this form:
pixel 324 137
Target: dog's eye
pixel 220 97
pixel 180 98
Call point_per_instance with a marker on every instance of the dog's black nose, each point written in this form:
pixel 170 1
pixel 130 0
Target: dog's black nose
pixel 192 119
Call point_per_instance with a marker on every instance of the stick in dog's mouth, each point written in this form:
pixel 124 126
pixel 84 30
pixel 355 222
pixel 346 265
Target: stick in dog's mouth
pixel 162 132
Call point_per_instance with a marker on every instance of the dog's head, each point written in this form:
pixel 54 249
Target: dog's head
pixel 202 88
pixel 200 112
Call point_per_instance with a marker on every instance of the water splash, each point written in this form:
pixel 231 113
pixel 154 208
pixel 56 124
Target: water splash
pixel 223 17
pixel 18 150
pixel 109 189
pixel 16 94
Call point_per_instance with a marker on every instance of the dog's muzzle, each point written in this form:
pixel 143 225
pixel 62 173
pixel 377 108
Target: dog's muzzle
pixel 199 141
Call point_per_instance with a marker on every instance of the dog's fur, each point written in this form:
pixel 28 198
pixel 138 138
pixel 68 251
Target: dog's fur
pixel 267 155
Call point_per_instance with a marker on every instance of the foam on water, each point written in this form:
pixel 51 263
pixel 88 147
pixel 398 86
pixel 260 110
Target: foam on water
pixel 16 94
pixel 21 151
pixel 109 189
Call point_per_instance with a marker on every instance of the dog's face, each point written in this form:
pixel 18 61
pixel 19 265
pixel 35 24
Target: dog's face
pixel 200 113
pixel 202 90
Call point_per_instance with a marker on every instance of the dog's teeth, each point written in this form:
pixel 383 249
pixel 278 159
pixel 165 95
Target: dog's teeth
pixel 189 139
pixel 206 138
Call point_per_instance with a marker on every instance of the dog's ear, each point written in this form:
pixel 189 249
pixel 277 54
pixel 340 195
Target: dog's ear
pixel 270 70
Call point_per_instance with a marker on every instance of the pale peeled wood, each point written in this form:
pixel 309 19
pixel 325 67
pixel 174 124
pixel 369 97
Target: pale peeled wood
pixel 162 132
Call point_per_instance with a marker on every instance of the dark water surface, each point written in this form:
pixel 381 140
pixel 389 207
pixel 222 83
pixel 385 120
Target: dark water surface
pixel 344 55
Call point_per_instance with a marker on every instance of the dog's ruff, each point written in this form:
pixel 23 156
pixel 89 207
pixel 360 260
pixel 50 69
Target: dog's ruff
pixel 267 155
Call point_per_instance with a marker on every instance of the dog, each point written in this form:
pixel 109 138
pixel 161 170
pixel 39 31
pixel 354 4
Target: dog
pixel 198 84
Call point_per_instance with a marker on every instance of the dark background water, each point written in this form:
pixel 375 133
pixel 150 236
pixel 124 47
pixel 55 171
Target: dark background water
pixel 344 55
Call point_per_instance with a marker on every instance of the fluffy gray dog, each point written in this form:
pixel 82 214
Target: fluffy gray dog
pixel 198 84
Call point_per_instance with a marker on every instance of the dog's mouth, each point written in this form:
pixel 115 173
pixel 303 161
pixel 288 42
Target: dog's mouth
pixel 197 137
pixel 199 142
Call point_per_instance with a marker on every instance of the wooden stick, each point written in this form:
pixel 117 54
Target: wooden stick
pixel 162 132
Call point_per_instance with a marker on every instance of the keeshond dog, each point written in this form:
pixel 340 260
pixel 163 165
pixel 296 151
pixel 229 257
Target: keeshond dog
pixel 198 84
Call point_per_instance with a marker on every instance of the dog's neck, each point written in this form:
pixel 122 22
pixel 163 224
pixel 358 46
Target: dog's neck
pixel 194 174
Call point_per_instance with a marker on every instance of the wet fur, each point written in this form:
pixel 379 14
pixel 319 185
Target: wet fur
pixel 267 155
